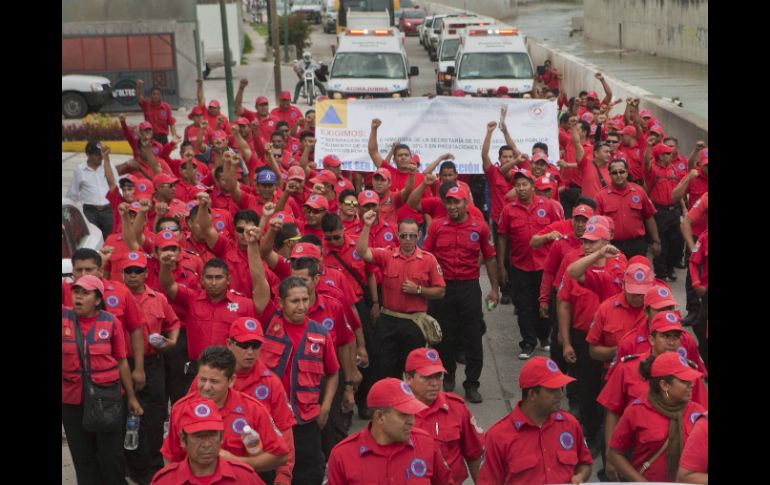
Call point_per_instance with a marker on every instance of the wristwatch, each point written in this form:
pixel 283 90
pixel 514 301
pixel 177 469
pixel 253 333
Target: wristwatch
pixel 419 289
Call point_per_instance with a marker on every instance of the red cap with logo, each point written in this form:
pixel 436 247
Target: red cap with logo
pixel 368 197
pixel 296 173
pixel 242 121
pixel 285 95
pixel 305 250
pixel 90 283
pixel 660 149
pixel 394 393
pixel 458 192
pixel 316 201
pixel 539 156
pixel 245 329
pixel 141 186
pixel 145 125
pixel 544 183
pixel 592 95
pixel 666 322
pixel 324 177
pixel 638 279
pixel 630 131
pixel 541 371
pixel 331 161
pixel 522 172
pixel 382 172
pixel 673 364
pixel 425 362
pixel 200 415
pixel 219 135
pixel 583 210
pixel 164 178
pixel 596 231
pixel 287 217
pixel 659 297
pixel 261 100
pixel 196 111
pixel 213 103
pixel 164 239
pixel 136 258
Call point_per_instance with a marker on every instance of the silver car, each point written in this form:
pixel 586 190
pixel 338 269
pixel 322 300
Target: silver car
pixel 76 232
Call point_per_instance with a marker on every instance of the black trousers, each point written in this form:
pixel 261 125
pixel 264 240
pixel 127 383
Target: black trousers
pixel 633 247
pixel 98 457
pixel 525 287
pixel 101 217
pixel 367 326
pixel 568 199
pixel 392 341
pixel 146 460
pixel 672 243
pixel 160 138
pixel 557 351
pixel 693 302
pixel 460 317
pixel 174 360
pixel 309 461
pixel 588 373
pixel 338 424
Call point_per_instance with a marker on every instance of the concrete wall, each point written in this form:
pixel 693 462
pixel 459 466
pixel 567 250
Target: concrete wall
pixel 670 28
pixel 109 10
pixel 500 9
pixel 210 23
pixel 579 75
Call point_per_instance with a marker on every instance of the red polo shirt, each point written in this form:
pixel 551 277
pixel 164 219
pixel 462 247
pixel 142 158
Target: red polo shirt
pixel 699 261
pixel 551 275
pixel 208 322
pixel 157 314
pixel 227 472
pixel 191 134
pixel 644 430
pixel 697 188
pixel 266 124
pixel 329 313
pixel 455 431
pixel 660 182
pixel 633 156
pixel 119 258
pixel 498 187
pixel 456 246
pixel 291 115
pixel 592 184
pixel 518 451
pixel 520 222
pixel 421 268
pixel 695 456
pixel 347 253
pixel 238 410
pixel 628 207
pixel 389 205
pixel 359 460
pixel 614 318
pixel 584 302
pixel 159 115
pixel 237 260
pixel 199 248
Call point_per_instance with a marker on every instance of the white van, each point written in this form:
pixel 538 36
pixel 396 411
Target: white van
pixel 448 44
pixel 370 62
pixel 492 57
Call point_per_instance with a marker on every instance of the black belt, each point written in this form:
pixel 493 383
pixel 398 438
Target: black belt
pixel 97 207
pixel 666 207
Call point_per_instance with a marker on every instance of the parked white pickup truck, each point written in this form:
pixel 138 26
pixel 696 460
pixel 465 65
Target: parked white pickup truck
pixel 81 94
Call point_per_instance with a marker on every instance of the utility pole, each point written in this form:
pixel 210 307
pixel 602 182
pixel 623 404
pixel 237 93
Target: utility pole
pixel 228 61
pixel 286 32
pixel 276 50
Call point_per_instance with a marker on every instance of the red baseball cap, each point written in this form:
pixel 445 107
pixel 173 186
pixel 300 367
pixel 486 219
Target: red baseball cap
pixel 164 239
pixel 660 149
pixel 242 121
pixel 296 173
pixel 544 183
pixel 592 95
pixel 666 322
pixel 305 250
pixel 596 231
pixel 90 283
pixel 640 260
pixel 368 197
pixel 604 221
pixel 638 279
pixel 164 178
pixel 331 161
pixel 145 125
pixel 673 364
pixel 536 157
pixel 245 329
pixel 219 135
pixel 136 258
pixel 630 131
pixel 137 197
pixel 457 192
pixel 261 100
pixel 285 95
pixel 382 172
pixel 617 124
pixel 541 371
pixel 200 415
pixel 583 211
pixel 196 111
pixel 659 297
pixel 587 117
pixel 213 103
pixel 523 172
pixel 645 113
pixel 394 393
pixel 141 184
pixel 317 202
pixel 425 362
pixel 324 177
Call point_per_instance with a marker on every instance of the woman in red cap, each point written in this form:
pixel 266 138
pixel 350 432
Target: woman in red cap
pixel 655 428
pixel 98 457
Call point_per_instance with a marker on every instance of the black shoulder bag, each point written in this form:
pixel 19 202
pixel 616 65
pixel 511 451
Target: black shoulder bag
pixel 102 405
pixel 367 295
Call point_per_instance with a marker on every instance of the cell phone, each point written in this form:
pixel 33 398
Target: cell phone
pixel 540 70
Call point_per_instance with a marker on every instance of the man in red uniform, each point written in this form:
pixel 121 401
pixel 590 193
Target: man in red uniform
pixel 390 449
pixel 216 376
pixel 217 120
pixel 411 277
pixel 459 437
pixel 285 111
pixel 201 429
pixel 537 442
pixel 314 209
pixel 628 206
pixel 156 112
pixel 458 241
pixel 265 121
pixel 699 269
pixel 519 221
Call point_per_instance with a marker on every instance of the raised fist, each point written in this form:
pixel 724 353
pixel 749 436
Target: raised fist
pixel 376 123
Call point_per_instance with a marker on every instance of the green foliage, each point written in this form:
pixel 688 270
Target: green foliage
pixel 299 31
pixel 261 29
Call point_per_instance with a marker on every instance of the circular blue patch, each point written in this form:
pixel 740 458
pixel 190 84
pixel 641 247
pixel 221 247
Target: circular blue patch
pixel 419 467
pixel 431 355
pixel 541 213
pixel 590 229
pixel 406 389
pixel 280 215
pixel 671 317
pixel 238 425
pixel 694 417
pixel 475 236
pixel 261 392
pixel 662 292
pixel 112 301
pixel 220 225
pixel 683 361
pixel 566 440
pixel 133 256
pixel 327 323
pixel 551 365
pixel 635 199
pixel 682 352
pixel 315 347
pixel 368 194
pixel 167 235
pixel 355 255
pixel 639 276
pixel 681 166
pixel 104 334
pixel 388 236
pixel 250 325
pixel 202 410
pixel 142 187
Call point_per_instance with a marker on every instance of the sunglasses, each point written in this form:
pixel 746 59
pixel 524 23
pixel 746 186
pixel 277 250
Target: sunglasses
pixel 618 172
pixel 134 270
pixel 251 344
pixel 613 141
pixel 335 237
pixel 295 238
pixel 314 211
pixel 351 203
pixel 240 230
pixel 406 237
pixel 170 228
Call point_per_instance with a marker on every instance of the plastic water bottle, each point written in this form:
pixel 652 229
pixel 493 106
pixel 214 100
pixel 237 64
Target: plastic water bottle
pixel 132 433
pixel 251 441
pixel 157 340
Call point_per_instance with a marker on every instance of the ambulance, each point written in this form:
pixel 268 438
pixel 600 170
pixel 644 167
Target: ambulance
pixel 490 57
pixel 448 43
pixel 370 62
